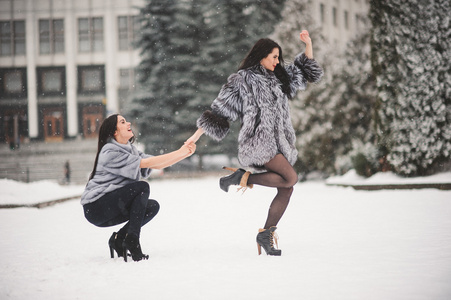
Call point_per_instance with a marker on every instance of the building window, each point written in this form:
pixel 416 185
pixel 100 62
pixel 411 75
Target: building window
pixel 346 17
pixel 13 125
pixel 51 36
pixel 51 81
pixel 322 10
pixel 334 16
pixel 13 83
pixel 91 79
pixel 127 79
pixel 12 38
pixel 128 27
pixel 90 34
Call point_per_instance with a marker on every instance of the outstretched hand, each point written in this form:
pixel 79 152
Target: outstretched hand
pixel 191 140
pixel 305 37
pixel 190 148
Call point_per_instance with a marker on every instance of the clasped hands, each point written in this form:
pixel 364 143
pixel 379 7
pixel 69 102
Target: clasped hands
pixel 189 147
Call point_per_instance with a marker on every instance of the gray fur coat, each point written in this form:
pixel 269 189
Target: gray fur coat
pixel 254 95
pixel 118 166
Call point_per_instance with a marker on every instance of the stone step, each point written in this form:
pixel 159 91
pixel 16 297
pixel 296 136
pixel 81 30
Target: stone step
pixel 45 161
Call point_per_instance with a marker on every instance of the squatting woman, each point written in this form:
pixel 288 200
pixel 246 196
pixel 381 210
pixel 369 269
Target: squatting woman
pixel 115 194
pixel 258 95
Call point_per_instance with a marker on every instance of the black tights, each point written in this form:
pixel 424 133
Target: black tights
pixel 129 203
pixel 281 175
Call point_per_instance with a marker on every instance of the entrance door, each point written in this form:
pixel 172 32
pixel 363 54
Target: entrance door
pixel 13 126
pixel 53 126
pixel 91 125
pixel 92 118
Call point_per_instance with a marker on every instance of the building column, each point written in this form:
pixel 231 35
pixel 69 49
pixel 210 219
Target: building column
pixel 32 94
pixel 71 70
pixel 111 48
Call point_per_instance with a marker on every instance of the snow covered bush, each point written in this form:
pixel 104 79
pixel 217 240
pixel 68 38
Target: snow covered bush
pixel 364 158
pixel 411 58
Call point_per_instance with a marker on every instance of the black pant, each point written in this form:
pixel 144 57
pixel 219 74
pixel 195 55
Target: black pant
pixel 129 203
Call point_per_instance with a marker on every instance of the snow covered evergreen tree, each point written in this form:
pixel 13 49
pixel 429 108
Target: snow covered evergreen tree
pixel 237 25
pixel 296 17
pixel 153 108
pixel 331 116
pixel 411 57
pixel 339 113
pixel 172 35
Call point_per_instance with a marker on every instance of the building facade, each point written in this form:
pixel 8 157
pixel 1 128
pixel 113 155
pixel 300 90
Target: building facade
pixel 64 65
pixel 340 20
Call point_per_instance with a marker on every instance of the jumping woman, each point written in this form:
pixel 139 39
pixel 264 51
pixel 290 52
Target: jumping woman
pixel 258 95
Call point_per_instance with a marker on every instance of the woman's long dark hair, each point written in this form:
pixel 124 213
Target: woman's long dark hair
pixel 106 131
pixel 260 50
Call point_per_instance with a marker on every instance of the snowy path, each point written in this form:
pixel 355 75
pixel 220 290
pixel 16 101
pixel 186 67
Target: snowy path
pixel 337 243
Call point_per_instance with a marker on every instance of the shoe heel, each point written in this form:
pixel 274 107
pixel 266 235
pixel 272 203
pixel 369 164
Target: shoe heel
pixel 259 248
pixel 111 252
pixel 125 253
pixel 115 245
pixel 230 169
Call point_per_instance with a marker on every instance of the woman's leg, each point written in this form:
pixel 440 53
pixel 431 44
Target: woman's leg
pixel 278 207
pixel 129 203
pixel 281 175
pixel 152 209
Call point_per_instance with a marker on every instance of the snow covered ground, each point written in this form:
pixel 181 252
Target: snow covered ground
pixel 387 178
pixel 337 243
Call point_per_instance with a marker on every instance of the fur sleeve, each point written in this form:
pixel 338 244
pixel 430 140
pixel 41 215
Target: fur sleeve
pixel 226 107
pixel 214 125
pixel 303 70
pixel 309 67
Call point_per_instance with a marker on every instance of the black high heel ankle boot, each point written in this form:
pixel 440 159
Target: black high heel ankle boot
pixel 131 243
pixel 265 239
pixel 115 243
pixel 239 177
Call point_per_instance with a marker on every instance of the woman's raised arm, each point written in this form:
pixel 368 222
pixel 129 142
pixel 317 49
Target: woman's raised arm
pixel 305 37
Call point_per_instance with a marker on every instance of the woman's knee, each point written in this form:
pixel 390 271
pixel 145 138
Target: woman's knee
pixel 280 165
pixel 143 187
pixel 141 190
pixel 293 182
pixel 291 179
pixel 153 206
pixel 152 209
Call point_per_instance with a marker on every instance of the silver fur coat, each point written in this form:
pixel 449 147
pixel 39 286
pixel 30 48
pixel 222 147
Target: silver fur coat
pixel 255 96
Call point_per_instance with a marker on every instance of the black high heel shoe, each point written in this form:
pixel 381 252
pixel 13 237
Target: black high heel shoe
pixel 266 239
pixel 131 243
pixel 239 177
pixel 115 243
